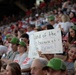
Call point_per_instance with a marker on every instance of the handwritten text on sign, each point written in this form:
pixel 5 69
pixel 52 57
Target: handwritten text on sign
pixel 48 41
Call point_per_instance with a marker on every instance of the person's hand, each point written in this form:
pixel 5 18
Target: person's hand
pixel 61 28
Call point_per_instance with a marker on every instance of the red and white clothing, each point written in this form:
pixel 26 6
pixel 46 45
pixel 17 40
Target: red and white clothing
pixel 19 59
pixel 26 63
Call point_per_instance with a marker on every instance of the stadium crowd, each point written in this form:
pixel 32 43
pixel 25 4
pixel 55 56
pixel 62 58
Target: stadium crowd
pixel 14 41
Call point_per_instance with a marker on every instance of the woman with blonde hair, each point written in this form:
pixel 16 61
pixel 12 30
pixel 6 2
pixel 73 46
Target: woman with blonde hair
pixel 65 18
pixel 65 24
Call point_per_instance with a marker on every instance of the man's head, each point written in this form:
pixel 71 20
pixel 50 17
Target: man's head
pixel 55 67
pixel 51 20
pixel 37 65
pixel 30 27
pixel 22 47
pixel 14 41
pixel 25 37
pixel 8 37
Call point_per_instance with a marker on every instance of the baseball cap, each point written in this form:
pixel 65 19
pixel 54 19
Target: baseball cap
pixel 56 64
pixel 15 40
pixel 8 36
pixel 22 43
pixel 51 18
pixel 73 27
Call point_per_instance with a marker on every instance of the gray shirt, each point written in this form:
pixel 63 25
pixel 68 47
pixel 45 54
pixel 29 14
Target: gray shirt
pixel 11 55
pixel 70 67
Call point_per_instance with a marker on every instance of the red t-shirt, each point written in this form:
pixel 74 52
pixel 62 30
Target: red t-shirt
pixel 73 20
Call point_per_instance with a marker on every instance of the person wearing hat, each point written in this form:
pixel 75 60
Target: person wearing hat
pixel 51 20
pixel 11 55
pixel 25 37
pixel 19 58
pixel 7 42
pixel 22 49
pixel 55 66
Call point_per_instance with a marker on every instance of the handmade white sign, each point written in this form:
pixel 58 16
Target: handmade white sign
pixel 33 53
pixel 48 41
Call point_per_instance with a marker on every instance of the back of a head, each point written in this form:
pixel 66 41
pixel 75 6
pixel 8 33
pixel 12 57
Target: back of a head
pixel 21 31
pixel 49 26
pixel 56 64
pixel 38 28
pixel 65 18
pixel 15 68
pixel 32 26
pixel 25 35
pixel 43 62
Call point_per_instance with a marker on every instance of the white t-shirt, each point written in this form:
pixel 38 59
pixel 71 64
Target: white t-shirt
pixel 55 25
pixel 65 26
pixel 26 64
pixel 19 59
pixel 30 33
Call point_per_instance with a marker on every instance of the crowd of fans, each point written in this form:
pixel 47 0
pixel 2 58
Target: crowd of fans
pixel 14 43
